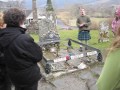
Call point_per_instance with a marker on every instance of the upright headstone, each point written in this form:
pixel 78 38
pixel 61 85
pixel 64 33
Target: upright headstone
pixel 48 35
pixel 50 14
pixel 103 32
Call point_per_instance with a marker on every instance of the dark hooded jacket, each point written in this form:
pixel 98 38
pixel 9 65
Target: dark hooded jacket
pixel 21 54
pixel 2 69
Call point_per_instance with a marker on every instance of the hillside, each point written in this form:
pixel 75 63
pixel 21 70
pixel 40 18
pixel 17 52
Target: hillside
pixel 3 5
pixel 63 3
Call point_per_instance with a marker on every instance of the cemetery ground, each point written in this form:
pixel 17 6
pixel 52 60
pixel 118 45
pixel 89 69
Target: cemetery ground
pixel 82 79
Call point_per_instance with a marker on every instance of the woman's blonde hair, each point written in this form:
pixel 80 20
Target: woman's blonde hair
pixel 1 20
pixel 116 42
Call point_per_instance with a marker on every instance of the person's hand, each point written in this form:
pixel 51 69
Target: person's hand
pixel 81 25
pixel 23 26
pixel 2 26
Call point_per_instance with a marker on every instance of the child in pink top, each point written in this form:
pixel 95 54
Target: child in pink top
pixel 116 21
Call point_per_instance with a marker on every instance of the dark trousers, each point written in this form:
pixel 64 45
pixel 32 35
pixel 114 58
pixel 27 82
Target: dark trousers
pixel 31 87
pixel 6 85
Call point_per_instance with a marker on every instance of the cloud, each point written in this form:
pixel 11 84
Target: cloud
pixel 103 0
pixel 4 0
pixel 9 0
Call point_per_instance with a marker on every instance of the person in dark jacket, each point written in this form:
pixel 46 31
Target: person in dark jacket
pixel 5 83
pixel 20 51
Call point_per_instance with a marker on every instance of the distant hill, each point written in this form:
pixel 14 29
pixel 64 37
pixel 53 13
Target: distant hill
pixel 111 2
pixel 63 3
pixel 2 5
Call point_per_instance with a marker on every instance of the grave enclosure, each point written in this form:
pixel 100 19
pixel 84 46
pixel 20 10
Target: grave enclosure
pixel 57 61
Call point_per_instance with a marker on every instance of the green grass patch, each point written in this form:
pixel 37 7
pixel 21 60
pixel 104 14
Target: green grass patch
pixel 98 19
pixel 35 37
pixel 73 34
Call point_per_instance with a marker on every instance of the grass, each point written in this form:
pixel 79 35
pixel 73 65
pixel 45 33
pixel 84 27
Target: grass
pixel 35 37
pixel 98 19
pixel 93 42
pixel 65 34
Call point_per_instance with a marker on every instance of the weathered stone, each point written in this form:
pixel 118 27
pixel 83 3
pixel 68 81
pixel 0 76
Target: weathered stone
pixel 69 82
pixel 86 75
pixel 97 70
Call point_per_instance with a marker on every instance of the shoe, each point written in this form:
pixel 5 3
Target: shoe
pixel 86 48
pixel 80 49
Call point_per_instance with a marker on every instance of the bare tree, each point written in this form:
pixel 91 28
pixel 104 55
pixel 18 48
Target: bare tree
pixel 16 4
pixel 20 3
pixel 75 10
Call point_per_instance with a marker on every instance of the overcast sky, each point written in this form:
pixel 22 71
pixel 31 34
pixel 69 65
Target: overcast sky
pixel 3 0
pixel 58 3
pixel 6 0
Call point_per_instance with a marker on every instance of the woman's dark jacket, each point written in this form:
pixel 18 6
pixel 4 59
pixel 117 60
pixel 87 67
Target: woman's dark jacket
pixel 2 69
pixel 21 55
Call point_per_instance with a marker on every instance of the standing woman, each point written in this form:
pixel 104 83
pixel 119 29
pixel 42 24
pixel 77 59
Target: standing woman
pixel 20 51
pixel 5 83
pixel 110 76
pixel 2 24
pixel 116 21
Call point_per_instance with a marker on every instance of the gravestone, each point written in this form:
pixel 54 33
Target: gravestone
pixel 48 36
pixel 47 32
pixel 103 32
